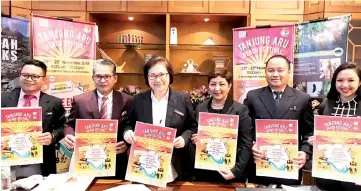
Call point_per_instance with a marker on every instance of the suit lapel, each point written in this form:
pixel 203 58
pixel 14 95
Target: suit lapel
pixel 328 108
pixel 147 106
pixel 117 100
pixel 172 102
pixel 358 110
pixel 268 101
pixel 14 98
pixel 94 105
pixel 288 97
pixel 44 104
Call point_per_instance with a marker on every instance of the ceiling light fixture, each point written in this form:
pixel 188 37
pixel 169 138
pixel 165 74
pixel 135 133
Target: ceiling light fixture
pixel 130 18
pixel 206 19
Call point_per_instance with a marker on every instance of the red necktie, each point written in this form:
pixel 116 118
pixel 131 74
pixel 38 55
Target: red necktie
pixel 27 99
pixel 104 108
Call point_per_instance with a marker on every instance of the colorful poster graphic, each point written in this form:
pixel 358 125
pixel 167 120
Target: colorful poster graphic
pixel 15 49
pixel 252 47
pixel 320 47
pixel 95 147
pixel 63 157
pixel 68 49
pixel 337 148
pixel 20 128
pixel 278 140
pixel 151 154
pixel 217 145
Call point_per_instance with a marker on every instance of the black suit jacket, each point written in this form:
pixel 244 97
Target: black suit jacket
pixel 85 106
pixel 295 105
pixel 180 115
pixel 53 115
pixel 245 137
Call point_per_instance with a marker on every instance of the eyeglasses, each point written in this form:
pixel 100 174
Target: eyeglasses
pixel 33 77
pixel 154 76
pixel 105 77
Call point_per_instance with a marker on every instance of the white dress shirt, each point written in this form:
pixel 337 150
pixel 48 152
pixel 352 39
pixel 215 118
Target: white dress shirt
pixel 159 114
pixel 109 103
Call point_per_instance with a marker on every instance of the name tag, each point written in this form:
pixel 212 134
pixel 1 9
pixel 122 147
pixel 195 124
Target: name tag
pixel 179 113
pixel 49 113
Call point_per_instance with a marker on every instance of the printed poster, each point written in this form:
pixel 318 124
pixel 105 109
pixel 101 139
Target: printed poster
pixel 20 128
pixel 63 157
pixel 337 148
pixel 278 140
pixel 217 145
pixel 151 154
pixel 15 49
pixel 252 47
pixel 68 49
pixel 320 47
pixel 95 147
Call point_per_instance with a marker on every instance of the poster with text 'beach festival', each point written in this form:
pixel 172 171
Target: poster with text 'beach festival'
pixel 94 150
pixel 337 148
pixel 151 154
pixel 20 128
pixel 252 47
pixel 278 140
pixel 217 145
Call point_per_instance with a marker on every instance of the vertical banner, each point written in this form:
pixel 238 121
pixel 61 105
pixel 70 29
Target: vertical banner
pixel 320 47
pixel 95 147
pixel 151 154
pixel 217 145
pixel 278 140
pixel 252 47
pixel 19 129
pixel 68 49
pixel 337 148
pixel 15 49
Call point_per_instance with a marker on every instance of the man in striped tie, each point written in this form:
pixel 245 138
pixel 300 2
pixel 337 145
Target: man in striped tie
pixel 102 103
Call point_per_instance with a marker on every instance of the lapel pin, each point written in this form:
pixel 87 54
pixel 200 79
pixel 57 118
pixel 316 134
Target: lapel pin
pixel 294 108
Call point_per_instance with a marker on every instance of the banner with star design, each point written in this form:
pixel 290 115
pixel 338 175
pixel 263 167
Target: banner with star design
pixel 337 148
pixel 20 128
pixel 68 50
pixel 278 141
pixel 151 154
pixel 94 150
pixel 217 145
pixel 252 47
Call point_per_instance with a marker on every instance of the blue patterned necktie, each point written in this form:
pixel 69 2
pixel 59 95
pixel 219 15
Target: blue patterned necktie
pixel 278 96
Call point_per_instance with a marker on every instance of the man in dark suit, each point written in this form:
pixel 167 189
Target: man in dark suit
pixel 102 103
pixel 32 78
pixel 279 101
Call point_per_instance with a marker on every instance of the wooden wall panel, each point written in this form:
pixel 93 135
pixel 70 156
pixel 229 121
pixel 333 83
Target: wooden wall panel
pixel 22 4
pixel 160 6
pixel 315 6
pixel 277 7
pixel 355 16
pixel 104 6
pixel 238 7
pixel 275 19
pixel 175 6
pixel 22 13
pixel 79 5
pixel 77 16
pixel 344 6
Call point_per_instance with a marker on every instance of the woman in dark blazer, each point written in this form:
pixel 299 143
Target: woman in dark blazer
pixel 343 99
pixel 164 107
pixel 219 83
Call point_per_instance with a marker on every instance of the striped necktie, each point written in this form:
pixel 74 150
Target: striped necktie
pixel 278 96
pixel 104 108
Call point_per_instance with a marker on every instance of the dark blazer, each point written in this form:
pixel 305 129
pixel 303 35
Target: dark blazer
pixel 325 108
pixel 294 104
pixel 244 143
pixel 178 103
pixel 53 115
pixel 85 106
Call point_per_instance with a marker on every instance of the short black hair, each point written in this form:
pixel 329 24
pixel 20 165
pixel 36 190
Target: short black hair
pixel 105 62
pixel 333 94
pixel 156 60
pixel 222 72
pixel 36 63
pixel 279 56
